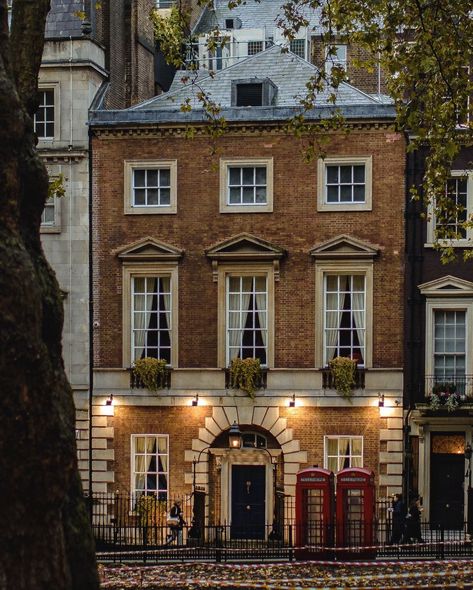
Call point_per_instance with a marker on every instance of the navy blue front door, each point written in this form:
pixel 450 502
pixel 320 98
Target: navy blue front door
pixel 248 501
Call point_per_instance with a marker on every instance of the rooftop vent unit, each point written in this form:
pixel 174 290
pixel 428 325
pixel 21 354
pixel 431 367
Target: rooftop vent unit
pixel 232 23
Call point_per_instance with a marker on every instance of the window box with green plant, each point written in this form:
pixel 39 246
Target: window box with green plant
pixel 150 373
pixel 343 375
pixel 247 375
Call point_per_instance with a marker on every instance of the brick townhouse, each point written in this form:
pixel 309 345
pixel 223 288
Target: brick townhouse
pixel 201 256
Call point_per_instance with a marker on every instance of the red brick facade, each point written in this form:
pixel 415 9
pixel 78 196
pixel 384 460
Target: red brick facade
pixel 295 225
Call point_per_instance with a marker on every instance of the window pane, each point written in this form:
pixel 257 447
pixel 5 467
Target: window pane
pixel 153 197
pixel 165 196
pixel 234 175
pixel 345 193
pixel 152 178
pixel 260 284
pixel 139 178
pixel 261 175
pixel 356 447
pixel 248 176
pixel 248 195
pixel 358 173
pixel 235 195
pixel 345 174
pixel 332 446
pixel 165 177
pixel 140 195
pixel 359 194
pixel 332 174
pixel 261 194
pixel 332 194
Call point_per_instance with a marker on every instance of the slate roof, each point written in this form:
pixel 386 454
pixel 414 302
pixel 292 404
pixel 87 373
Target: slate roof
pixel 253 14
pixel 61 21
pixel 288 72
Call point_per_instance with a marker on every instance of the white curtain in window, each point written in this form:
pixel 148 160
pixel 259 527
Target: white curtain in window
pixel 344 452
pixel 262 316
pixel 166 301
pixel 358 306
pixel 234 326
pixel 140 321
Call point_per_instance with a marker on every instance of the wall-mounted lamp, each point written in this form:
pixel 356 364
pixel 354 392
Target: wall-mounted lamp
pixel 109 402
pixel 234 436
pixel 292 401
pixel 195 401
pixel 380 400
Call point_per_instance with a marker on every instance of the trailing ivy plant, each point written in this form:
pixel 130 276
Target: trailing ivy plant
pixel 245 374
pixel 343 372
pixel 150 372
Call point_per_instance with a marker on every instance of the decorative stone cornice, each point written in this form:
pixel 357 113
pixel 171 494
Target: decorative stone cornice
pixel 233 129
pixel 61 156
pixel 447 286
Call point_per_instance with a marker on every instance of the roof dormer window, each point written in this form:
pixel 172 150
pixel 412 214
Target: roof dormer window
pixel 253 93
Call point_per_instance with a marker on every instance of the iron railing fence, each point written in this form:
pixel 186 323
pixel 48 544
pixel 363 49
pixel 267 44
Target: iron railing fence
pixel 444 386
pixel 130 527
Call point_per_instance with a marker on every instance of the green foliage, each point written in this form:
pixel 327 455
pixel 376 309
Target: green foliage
pixel 56 186
pixel 171 31
pixel 343 371
pixel 151 372
pixel 245 374
pixel 151 511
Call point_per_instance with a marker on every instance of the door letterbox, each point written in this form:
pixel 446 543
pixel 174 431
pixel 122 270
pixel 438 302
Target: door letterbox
pixel 355 508
pixel 314 512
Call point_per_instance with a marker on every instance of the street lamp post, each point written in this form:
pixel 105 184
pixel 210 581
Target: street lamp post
pixel 469 496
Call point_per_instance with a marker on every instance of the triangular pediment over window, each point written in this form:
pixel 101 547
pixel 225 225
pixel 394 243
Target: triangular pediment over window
pixel 148 249
pixel 245 247
pixel 447 286
pixel 344 246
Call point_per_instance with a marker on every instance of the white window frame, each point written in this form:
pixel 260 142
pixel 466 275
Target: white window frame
pixel 464 242
pixel 339 437
pixel 239 270
pixel 227 307
pixel 55 87
pixel 303 40
pixel 340 312
pixel 225 164
pixel 133 438
pixel 129 167
pixel 333 60
pixel 322 204
pixel 153 270
pixel 345 267
pixel 259 41
pixel 448 304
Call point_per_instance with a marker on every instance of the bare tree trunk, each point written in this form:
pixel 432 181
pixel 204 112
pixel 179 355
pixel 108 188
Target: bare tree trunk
pixel 45 538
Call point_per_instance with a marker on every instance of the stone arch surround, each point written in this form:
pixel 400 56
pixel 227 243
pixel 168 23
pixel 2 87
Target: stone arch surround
pixel 267 417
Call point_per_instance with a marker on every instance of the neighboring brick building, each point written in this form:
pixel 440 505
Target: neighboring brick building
pixel 199 258
pixel 438 358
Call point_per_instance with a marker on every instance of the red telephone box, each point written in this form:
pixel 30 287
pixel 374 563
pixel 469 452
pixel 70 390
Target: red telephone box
pixel 355 508
pixel 314 512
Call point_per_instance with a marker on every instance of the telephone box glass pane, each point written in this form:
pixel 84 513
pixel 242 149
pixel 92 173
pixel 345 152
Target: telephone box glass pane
pixel 354 516
pixel 313 500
